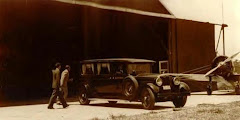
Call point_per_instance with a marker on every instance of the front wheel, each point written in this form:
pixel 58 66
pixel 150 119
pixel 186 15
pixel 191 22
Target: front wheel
pixel 148 99
pixel 83 97
pixel 179 101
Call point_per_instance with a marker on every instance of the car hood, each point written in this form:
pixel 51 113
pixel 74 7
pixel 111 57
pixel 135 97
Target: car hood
pixel 148 75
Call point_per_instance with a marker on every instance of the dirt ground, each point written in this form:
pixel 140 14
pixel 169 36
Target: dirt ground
pixel 226 111
pixel 198 106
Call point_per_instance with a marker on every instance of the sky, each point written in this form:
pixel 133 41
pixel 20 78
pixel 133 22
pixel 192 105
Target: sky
pixel 213 11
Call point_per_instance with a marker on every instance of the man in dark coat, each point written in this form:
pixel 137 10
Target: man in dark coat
pixel 64 80
pixel 55 85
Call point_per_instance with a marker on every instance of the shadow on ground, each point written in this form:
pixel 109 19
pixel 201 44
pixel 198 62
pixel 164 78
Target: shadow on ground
pixel 220 93
pixel 7 103
pixel 127 106
pixel 29 102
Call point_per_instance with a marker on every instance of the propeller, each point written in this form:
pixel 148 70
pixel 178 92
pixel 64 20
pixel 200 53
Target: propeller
pixel 221 64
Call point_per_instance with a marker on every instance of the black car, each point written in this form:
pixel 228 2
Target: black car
pixel 129 79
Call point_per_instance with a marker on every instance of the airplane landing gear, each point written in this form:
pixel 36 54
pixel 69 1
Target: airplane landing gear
pixel 209 86
pixel 237 88
pixel 209 90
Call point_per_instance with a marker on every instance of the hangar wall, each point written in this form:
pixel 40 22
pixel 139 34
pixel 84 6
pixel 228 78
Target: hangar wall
pixel 193 45
pixel 116 34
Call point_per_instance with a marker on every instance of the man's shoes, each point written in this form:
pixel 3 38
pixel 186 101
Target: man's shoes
pixel 65 106
pixel 50 107
pixel 59 103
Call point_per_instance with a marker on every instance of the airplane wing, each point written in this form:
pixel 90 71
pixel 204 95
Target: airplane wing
pixel 198 82
pixel 194 77
pixel 197 77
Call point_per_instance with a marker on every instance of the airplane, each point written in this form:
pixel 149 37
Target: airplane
pixel 222 71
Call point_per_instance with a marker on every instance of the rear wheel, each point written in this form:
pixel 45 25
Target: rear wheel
pixel 83 97
pixel 180 101
pixel 148 99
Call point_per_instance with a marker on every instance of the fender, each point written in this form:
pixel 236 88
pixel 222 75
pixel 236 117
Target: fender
pixel 184 86
pixel 85 86
pixel 155 88
pixel 130 77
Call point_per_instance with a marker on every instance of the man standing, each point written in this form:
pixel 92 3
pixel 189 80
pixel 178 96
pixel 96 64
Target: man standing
pixel 55 85
pixel 64 80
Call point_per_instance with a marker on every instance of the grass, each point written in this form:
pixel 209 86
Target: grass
pixel 224 111
pixel 118 117
pixel 96 118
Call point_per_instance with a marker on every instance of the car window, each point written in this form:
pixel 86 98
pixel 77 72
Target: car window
pixel 103 68
pixel 118 68
pixel 87 69
pixel 139 68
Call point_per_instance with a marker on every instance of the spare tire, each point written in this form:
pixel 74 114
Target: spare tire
pixel 130 88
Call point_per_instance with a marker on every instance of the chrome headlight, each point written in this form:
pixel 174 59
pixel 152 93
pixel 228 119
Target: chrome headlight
pixel 159 81
pixel 176 81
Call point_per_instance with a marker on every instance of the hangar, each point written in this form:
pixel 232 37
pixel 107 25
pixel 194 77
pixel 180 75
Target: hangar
pixel 143 29
pixel 36 34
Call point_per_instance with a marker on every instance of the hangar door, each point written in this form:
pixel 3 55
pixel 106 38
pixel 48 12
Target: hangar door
pixel 108 34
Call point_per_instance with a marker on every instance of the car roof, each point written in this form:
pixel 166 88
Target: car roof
pixel 125 60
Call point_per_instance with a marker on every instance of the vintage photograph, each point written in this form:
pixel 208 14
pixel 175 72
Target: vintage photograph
pixel 119 60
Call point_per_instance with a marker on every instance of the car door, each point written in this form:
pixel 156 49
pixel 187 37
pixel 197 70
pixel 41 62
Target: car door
pixel 119 73
pixel 103 81
pixel 118 81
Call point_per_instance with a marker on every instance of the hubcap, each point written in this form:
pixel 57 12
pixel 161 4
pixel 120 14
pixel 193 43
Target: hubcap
pixel 129 88
pixel 83 97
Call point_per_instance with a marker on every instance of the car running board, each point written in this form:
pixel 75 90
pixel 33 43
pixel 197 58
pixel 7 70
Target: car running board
pixel 106 99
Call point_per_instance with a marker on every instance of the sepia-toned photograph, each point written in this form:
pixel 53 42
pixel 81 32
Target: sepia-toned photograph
pixel 119 60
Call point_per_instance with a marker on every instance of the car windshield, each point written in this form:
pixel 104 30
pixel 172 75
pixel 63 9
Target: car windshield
pixel 138 68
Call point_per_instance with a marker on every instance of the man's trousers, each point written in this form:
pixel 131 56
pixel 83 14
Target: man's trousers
pixel 56 93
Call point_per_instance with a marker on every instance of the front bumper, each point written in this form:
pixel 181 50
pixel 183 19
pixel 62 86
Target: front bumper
pixel 169 96
pixel 173 94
